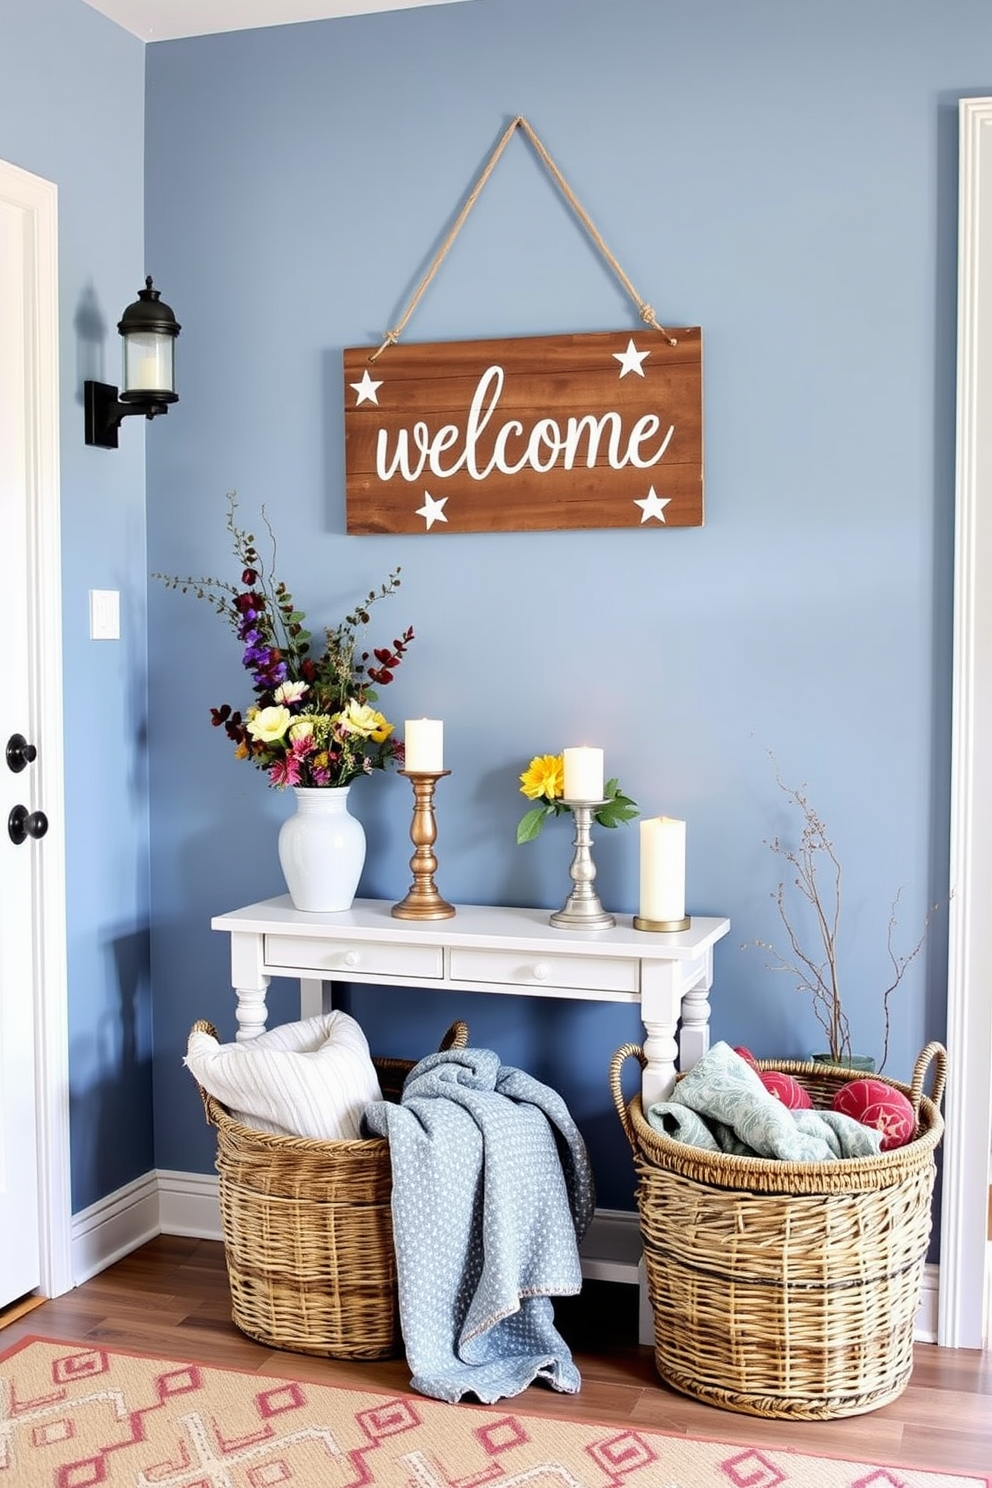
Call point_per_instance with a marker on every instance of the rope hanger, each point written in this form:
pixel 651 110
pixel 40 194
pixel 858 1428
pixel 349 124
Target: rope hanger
pixel 646 312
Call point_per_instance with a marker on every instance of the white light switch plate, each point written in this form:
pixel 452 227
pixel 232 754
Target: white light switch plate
pixel 105 615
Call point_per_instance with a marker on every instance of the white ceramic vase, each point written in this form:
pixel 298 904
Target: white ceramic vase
pixel 322 849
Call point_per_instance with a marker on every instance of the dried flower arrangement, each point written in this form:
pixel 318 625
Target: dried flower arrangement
pixel 312 720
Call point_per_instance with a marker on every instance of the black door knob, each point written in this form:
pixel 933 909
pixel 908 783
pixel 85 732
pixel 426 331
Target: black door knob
pixel 22 823
pixel 19 753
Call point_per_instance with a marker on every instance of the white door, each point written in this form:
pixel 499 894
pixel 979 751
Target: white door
pixel 19 1219
pixel 34 1174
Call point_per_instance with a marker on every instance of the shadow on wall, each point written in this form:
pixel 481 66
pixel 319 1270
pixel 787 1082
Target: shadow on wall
pixel 111 1119
pixel 91 327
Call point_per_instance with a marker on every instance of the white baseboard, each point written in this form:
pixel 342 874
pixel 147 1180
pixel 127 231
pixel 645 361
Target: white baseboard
pixel 188 1205
pixel 164 1202
pixel 611 1248
pixel 925 1327
pixel 113 1227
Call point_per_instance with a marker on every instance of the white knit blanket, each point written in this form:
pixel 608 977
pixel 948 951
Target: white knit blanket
pixel 308 1079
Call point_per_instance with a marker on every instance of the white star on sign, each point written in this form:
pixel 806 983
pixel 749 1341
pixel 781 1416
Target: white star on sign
pixel 432 511
pixel 652 505
pixel 366 389
pixel 631 359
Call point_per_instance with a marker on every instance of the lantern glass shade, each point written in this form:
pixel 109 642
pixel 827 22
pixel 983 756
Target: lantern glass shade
pixel 149 362
pixel 148 331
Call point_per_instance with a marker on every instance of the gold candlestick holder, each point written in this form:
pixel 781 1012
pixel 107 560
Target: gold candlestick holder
pixel 662 927
pixel 582 909
pixel 423 902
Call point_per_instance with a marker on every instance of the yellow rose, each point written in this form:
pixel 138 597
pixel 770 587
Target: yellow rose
pixel 268 725
pixel 382 733
pixel 359 718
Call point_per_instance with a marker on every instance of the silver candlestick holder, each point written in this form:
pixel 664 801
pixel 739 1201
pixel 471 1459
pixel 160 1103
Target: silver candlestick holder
pixel 582 909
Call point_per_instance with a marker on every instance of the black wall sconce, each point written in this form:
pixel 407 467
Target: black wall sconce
pixel 149 330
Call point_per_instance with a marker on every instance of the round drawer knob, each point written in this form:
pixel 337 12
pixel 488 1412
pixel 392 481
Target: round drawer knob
pixel 542 971
pixel 351 958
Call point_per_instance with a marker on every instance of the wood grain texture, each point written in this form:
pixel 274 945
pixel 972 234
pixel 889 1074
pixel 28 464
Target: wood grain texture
pixel 171 1297
pixel 527 434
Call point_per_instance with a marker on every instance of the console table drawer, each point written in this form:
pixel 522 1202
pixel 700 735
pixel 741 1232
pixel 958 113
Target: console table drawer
pixel 522 969
pixel 355 958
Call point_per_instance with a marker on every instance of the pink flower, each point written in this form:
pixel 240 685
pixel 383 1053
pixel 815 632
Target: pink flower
pixel 285 771
pixel 301 746
pixel 290 692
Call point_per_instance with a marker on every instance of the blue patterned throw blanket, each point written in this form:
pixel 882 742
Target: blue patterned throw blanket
pixel 722 1106
pixel 492 1191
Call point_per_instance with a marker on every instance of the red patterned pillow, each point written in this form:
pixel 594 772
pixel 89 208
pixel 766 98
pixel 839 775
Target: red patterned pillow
pixel 745 1054
pixel 786 1089
pixel 874 1103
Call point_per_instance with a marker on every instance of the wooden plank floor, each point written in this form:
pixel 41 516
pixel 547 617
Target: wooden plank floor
pixel 170 1297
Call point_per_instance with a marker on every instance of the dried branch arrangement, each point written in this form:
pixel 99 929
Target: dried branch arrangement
pixel 817 878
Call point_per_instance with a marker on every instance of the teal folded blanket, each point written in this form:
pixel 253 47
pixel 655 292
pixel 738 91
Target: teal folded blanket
pixel 722 1106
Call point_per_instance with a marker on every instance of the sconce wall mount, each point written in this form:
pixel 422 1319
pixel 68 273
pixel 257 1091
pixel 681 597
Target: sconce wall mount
pixel 149 330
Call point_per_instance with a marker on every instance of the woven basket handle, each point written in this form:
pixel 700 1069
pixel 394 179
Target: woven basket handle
pixel 203 1026
pixel 455 1038
pixel 625 1052
pixel 936 1055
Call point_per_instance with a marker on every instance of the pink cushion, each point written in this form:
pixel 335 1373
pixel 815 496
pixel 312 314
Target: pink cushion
pixel 878 1104
pixel 745 1054
pixel 786 1089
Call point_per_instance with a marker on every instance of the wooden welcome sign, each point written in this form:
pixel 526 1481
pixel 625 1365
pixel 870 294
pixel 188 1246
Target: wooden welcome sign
pixel 543 432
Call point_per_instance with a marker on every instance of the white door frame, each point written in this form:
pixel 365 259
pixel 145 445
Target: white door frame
pixel 964 1221
pixel 37 200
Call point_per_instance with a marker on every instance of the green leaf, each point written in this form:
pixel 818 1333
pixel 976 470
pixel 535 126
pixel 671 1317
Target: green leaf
pixel 530 823
pixel 619 808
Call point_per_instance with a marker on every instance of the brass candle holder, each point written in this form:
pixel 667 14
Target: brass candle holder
pixel 582 909
pixel 662 927
pixel 423 902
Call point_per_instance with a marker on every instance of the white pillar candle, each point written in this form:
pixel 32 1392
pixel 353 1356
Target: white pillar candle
pixel 424 739
pixel 662 869
pixel 583 774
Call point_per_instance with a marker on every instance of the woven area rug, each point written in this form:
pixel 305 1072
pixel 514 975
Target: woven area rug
pixel 73 1415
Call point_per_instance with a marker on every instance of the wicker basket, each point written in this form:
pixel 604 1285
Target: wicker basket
pixel 308 1233
pixel 785 1289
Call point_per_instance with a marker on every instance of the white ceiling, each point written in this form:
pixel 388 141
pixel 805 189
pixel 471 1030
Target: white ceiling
pixel 163 20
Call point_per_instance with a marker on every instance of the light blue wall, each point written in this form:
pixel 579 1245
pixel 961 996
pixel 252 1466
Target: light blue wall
pixel 72 110
pixel 783 176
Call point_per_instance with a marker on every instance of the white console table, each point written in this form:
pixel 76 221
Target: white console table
pixel 512 952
